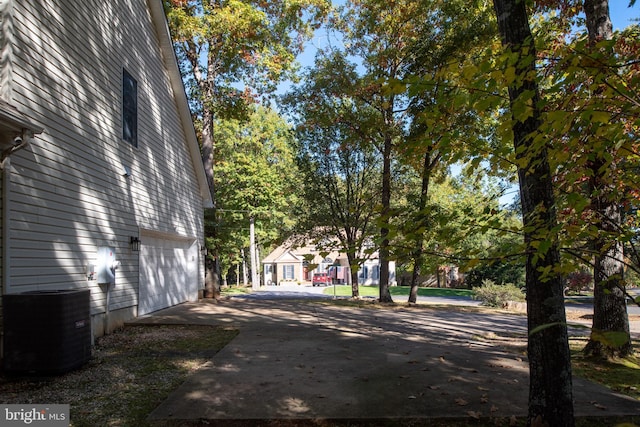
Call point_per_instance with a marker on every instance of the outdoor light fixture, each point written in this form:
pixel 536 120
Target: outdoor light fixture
pixel 135 243
pixel 204 250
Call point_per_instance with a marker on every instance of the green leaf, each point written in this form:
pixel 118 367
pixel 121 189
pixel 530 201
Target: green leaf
pixel 613 339
pixel 600 116
pixel 510 75
pixel 544 246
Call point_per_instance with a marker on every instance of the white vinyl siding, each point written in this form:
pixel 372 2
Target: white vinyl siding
pixel 68 192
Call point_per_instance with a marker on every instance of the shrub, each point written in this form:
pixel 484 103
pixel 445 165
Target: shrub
pixel 493 295
pixel 497 272
pixel 578 281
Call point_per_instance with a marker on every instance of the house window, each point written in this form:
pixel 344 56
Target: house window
pixel 129 108
pixel 287 272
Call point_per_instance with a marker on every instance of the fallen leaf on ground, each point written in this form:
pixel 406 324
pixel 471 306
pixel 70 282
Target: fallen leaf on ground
pixel 474 414
pixel 461 402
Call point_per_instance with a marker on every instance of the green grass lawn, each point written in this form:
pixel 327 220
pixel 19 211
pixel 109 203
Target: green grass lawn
pixel 620 375
pixel 235 290
pixel 399 291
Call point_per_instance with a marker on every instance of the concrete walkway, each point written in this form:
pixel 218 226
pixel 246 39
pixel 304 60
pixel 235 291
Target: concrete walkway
pixel 296 360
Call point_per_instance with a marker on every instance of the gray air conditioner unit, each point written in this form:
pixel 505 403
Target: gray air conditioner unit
pixel 46 332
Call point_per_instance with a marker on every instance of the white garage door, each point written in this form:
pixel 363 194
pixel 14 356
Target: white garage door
pixel 168 272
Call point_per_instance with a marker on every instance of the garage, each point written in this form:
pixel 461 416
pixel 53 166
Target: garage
pixel 168 272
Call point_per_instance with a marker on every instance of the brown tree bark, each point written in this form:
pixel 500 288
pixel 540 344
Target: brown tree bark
pixel 353 272
pixel 212 278
pixel 418 252
pixel 610 319
pixel 385 294
pixel 610 335
pixel 550 378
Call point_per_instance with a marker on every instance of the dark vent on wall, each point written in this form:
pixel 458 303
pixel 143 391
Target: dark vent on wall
pixel 46 332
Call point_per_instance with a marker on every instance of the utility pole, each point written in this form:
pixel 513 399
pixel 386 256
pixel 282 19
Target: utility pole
pixel 258 266
pixel 255 284
pixel 245 280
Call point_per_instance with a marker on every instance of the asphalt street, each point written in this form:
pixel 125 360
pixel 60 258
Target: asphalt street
pixel 293 291
pixel 308 291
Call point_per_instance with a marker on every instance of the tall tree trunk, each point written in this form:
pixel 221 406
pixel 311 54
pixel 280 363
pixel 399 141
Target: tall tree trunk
pixel 550 382
pixel 610 329
pixel 353 274
pixel 212 278
pixel 385 294
pixel 599 24
pixel 427 167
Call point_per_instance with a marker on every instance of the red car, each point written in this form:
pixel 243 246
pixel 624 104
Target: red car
pixel 321 279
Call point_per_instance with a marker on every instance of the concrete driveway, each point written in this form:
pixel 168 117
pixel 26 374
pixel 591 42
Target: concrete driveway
pixel 297 360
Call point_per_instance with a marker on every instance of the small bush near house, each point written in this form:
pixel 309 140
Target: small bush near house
pixel 579 281
pixel 493 295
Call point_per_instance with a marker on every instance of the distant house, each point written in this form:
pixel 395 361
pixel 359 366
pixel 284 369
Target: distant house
pixel 102 181
pixel 294 262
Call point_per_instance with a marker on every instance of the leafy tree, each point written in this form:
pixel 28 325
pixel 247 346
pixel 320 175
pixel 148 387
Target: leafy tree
pixel 379 34
pixel 463 226
pixel 550 388
pixel 401 49
pixel 438 132
pixel 588 79
pixel 500 272
pixel 610 308
pixel 256 164
pixel 340 171
pixel 489 236
pixel 229 52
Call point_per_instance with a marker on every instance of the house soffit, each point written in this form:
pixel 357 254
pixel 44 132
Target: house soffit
pixel 16 130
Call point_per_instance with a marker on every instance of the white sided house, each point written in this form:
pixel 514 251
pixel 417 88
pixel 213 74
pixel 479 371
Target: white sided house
pixel 295 262
pixel 102 183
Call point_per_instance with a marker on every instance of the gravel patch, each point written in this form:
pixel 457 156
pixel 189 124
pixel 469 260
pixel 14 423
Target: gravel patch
pixel 130 372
